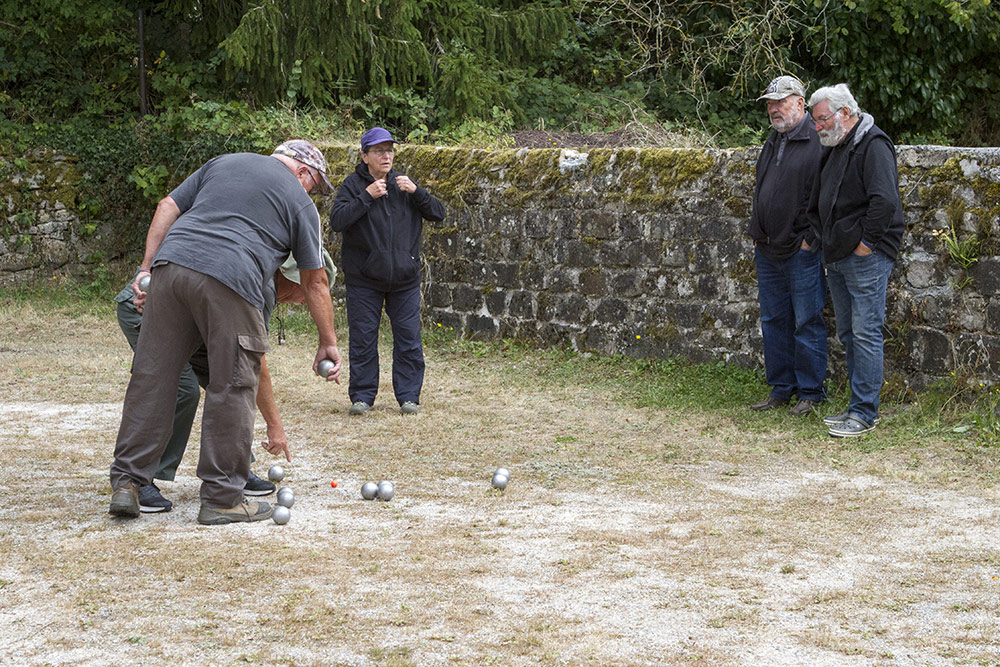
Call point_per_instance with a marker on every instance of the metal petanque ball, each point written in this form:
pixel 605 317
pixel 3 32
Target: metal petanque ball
pixel 324 368
pixel 386 491
pixel 276 473
pixel 369 490
pixel 499 481
pixel 144 283
pixel 281 515
pixel 502 471
pixel 286 497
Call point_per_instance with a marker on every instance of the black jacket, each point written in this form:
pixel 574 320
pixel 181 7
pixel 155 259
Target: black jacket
pixel 857 195
pixel 778 220
pixel 381 244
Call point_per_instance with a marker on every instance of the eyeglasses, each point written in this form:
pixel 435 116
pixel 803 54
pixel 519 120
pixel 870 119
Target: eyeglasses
pixel 315 181
pixel 382 151
pixel 823 119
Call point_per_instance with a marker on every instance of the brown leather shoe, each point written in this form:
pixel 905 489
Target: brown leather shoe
pixel 803 407
pixel 125 501
pixel 245 511
pixel 770 403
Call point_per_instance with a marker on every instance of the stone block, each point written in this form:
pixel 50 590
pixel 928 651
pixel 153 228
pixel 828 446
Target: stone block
pixel 481 327
pixel 466 298
pixel 986 274
pixel 628 283
pixel 581 254
pixel 979 352
pixel 496 302
pixel 572 308
pixel 521 305
pixel 439 295
pixel 593 282
pixel 598 224
pixel 930 351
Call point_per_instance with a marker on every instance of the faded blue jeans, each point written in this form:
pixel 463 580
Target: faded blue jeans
pixel 792 293
pixel 857 287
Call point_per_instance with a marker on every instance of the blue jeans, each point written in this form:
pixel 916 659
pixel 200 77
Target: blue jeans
pixel 857 287
pixel 364 313
pixel 792 293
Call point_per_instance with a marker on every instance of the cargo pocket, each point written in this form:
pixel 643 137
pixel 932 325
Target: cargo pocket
pixel 248 353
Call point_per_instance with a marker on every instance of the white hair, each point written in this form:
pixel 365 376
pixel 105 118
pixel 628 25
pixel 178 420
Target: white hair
pixel 838 97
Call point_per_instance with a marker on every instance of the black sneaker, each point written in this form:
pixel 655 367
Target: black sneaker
pixel 150 500
pixel 257 486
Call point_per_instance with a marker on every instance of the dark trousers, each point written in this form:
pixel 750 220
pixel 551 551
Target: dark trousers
pixel 792 294
pixel 185 308
pixel 364 313
pixel 193 377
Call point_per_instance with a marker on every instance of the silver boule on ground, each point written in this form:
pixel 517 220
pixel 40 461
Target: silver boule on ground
pixel 281 514
pixel 286 497
pixel 386 491
pixel 369 490
pixel 276 473
pixel 499 481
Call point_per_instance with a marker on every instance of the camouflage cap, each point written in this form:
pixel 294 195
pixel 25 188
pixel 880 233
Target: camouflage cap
pixel 307 154
pixel 782 87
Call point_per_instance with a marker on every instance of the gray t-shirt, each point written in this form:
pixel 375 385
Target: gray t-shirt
pixel 241 214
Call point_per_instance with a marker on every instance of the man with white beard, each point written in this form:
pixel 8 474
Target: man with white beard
pixel 791 287
pixel 856 211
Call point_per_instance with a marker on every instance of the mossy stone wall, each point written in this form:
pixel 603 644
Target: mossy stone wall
pixel 621 251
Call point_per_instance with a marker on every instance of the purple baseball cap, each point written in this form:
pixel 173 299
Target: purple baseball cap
pixel 376 135
pixel 307 154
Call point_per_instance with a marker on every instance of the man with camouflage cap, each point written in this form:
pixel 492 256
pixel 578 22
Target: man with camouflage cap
pixel 791 287
pixel 213 244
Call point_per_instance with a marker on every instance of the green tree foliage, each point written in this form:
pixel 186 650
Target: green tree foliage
pixel 927 69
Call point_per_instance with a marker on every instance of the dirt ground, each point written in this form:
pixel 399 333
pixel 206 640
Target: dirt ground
pixel 627 536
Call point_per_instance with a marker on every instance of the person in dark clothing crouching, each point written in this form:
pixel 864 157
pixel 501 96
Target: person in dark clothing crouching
pixel 791 284
pixel 380 213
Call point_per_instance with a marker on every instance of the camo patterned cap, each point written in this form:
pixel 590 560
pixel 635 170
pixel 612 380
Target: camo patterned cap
pixel 307 154
pixel 782 87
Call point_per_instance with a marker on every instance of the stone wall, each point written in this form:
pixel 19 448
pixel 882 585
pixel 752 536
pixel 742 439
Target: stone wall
pixel 40 227
pixel 627 251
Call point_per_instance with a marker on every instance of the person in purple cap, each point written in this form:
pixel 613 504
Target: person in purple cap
pixel 380 213
pixel 212 246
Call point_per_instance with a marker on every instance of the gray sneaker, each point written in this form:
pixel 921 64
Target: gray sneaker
pixel 409 408
pixel 125 501
pixel 840 418
pixel 851 428
pixel 359 408
pixel 245 511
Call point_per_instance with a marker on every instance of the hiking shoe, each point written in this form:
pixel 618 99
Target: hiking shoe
pixel 257 486
pixel 248 510
pixel 150 500
pixel 125 501
pixel 803 407
pixel 851 428
pixel 409 408
pixel 840 418
pixel 770 403
pixel 359 408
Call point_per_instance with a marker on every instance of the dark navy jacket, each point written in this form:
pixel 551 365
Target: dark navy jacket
pixel 778 220
pixel 857 197
pixel 381 244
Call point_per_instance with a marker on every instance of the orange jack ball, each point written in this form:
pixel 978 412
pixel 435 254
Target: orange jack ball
pixel 334 484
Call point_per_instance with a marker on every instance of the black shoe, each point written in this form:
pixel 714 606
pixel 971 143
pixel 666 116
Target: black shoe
pixel 257 486
pixel 770 403
pixel 803 407
pixel 150 500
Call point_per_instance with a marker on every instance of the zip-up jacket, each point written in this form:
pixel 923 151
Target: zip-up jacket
pixel 778 220
pixel 381 237
pixel 857 195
